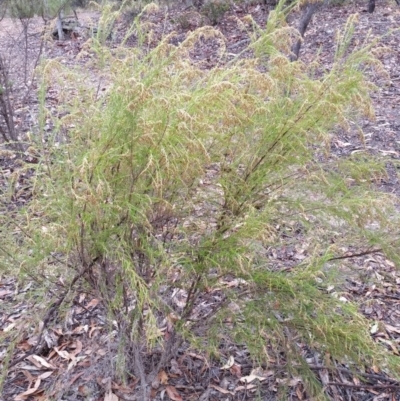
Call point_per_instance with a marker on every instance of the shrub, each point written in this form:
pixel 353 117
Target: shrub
pixel 214 10
pixel 189 20
pixel 23 9
pixel 130 9
pixel 181 182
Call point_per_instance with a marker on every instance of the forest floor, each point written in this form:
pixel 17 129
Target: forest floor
pixel 76 369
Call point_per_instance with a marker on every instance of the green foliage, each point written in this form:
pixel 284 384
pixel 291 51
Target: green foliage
pixel 132 8
pixel 184 180
pixel 29 8
pixel 336 3
pixel 25 8
pixel 184 21
pixel 189 19
pixel 214 10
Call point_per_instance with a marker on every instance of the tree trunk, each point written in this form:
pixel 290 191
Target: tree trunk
pixel 308 11
pixel 60 31
pixel 371 6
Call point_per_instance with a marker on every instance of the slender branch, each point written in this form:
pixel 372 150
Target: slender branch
pixel 139 367
pixel 191 297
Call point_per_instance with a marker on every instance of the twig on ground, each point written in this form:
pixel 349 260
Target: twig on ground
pixel 367 386
pixel 356 255
pixel 361 374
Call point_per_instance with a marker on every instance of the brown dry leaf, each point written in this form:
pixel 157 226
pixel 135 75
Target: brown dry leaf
pixel 221 390
pixel 85 363
pixel 392 329
pixel 105 382
pixel 179 298
pixel 9 327
pixel 64 354
pixel 58 331
pixel 248 387
pixel 390 344
pixel 172 318
pixel 156 383
pixel 51 338
pixel 111 397
pixel 193 355
pixel 236 370
pixel 163 377
pixel 92 330
pixel 173 393
pixel 229 363
pixel 40 362
pixel 93 303
pixel 299 393
pixel 41 397
pixel 27 393
pixel 74 362
pixel 4 293
pixel 74 378
pixel 294 382
pixel 80 329
pixel 390 263
pixel 52 354
pixel 121 388
pixel 324 376
pixel 25 367
pixel 45 375
pixel 78 348
pixel 84 390
pixel 25 345
pixel 175 368
pixel 30 378
pixel 375 369
pixel 257 373
pixel 232 283
pixel 374 329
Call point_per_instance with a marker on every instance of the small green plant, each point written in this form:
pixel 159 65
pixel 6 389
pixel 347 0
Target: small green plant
pixel 131 9
pixel 189 20
pixel 184 21
pixel 336 3
pixel 214 10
